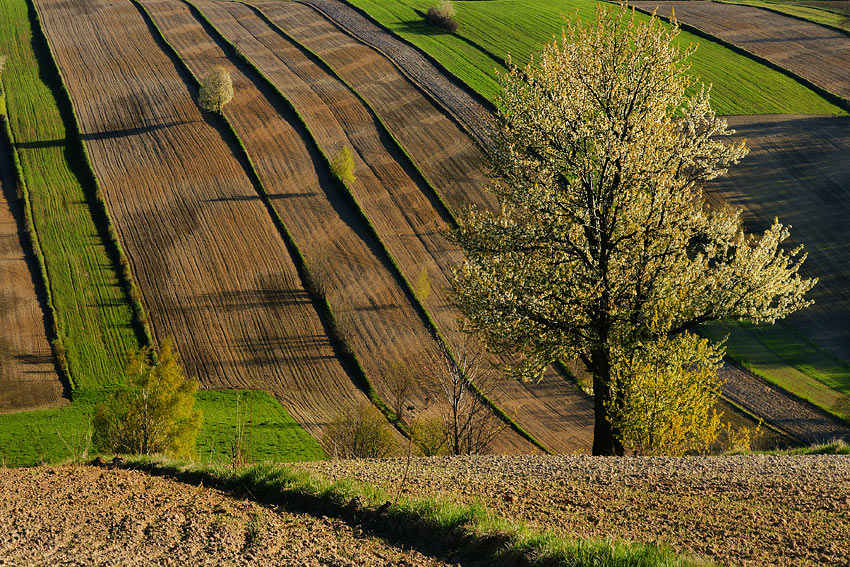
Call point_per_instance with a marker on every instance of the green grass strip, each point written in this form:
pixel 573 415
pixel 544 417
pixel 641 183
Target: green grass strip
pixel 343 349
pixel 522 27
pixel 827 18
pixel 95 321
pixel 399 274
pixel 833 98
pixel 459 531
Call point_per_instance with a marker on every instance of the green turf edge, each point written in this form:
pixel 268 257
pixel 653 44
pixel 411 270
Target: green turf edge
pixel 463 85
pixel 328 316
pixel 789 14
pixel 140 319
pixel 779 384
pixel 406 285
pixel 42 286
pixel 460 531
pixel 829 96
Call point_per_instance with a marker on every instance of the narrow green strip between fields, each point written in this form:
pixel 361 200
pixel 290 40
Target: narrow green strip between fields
pixel 521 27
pixel 465 532
pixel 342 348
pixel 405 283
pixel 827 18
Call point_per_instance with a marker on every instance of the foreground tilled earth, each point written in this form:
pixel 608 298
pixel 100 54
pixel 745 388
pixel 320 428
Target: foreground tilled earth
pixel 743 511
pixel 89 516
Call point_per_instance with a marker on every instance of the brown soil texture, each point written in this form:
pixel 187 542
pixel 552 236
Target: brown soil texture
pixel 213 268
pixel 393 196
pixel 28 377
pixel 798 169
pixel 89 516
pixel 374 314
pixel 746 511
pixel 818 53
pixel 466 108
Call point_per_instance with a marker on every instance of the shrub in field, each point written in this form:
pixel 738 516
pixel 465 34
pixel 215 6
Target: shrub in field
pixel 442 16
pixel 216 89
pixel 2 92
pixel 359 432
pixel 155 412
pixel 342 165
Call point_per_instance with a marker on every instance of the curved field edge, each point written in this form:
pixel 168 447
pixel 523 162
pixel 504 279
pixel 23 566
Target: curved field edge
pixel 741 85
pixel 348 353
pixel 823 17
pixel 407 286
pixel 459 531
pixel 786 359
pixel 444 210
pixel 828 95
pixel 54 175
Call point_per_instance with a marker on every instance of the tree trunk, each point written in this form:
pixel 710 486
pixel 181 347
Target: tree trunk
pixel 605 440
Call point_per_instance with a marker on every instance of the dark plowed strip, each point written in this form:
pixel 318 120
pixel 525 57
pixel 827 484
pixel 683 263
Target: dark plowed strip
pixel 418 67
pixel 375 316
pixel 817 53
pixel 28 378
pixel 212 266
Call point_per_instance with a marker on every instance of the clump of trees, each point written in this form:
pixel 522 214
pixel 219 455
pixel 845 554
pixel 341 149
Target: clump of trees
pixel 604 248
pixel 216 89
pixel 154 411
pixel 442 16
pixel 342 166
pixel 359 432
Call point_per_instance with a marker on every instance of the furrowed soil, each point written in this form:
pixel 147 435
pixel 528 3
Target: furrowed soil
pixel 798 169
pixel 818 53
pixel 371 308
pixel 396 199
pixel 28 377
pixel 213 268
pixel 90 516
pixel 746 511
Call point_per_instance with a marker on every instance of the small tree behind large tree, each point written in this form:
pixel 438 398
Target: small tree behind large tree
pixel 604 249
pixel 155 411
pixel 216 89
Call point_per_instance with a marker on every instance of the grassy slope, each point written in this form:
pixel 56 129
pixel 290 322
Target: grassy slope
pixel 780 355
pixel 93 312
pixel 816 15
pixel 522 27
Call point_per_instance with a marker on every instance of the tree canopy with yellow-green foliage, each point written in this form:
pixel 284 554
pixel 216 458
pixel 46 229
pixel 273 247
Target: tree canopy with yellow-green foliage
pixel 604 248
pixel 155 410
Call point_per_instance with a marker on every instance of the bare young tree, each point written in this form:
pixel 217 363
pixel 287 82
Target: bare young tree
pixel 401 381
pixel 466 382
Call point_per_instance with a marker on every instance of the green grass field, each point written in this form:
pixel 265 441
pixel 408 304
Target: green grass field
pixel 780 355
pixel 56 435
pixel 522 27
pixel 93 311
pixel 799 9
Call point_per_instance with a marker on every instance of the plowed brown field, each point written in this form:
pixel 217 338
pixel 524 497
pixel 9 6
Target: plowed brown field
pixel 28 378
pixel 799 170
pixel 396 201
pixel 213 268
pixel 378 321
pixel 819 54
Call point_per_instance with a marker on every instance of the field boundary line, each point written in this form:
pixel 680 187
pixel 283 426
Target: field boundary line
pixel 140 318
pixel 445 109
pixel 788 15
pixel 44 289
pixel 343 350
pixel 405 284
pixel 829 96
pixel 481 99
pixel 420 307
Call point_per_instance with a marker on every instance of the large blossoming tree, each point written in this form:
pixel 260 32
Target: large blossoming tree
pixel 604 248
